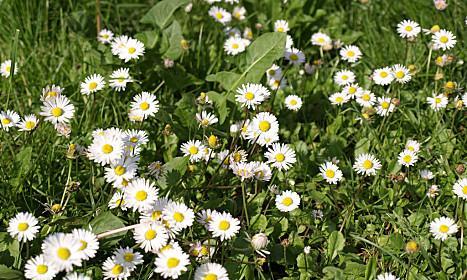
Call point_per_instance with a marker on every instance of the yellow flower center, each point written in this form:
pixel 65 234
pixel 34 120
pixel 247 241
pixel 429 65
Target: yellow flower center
pixel 57 112
pixel 408 28
pixel 367 164
pixel 52 93
pixel 119 170
pixel 204 251
pixel 249 95
pixel 193 150
pixel 293 57
pixel 144 106
pixel 224 225
pixel 320 40
pixel 280 29
pixel 437 100
pixel 293 102
pixel 23 226
pixel 272 72
pixel 410 148
pixel 435 28
pixel 178 217
pixel 464 189
pixel 84 245
pixel 400 74
pixel 156 215
pixel 141 195
pixel 6 121
pixel 219 15
pixel 42 269
pixel 264 126
pixel 117 269
pixel 235 46
pixel 92 85
pixel 131 50
pixel 63 253
pixel 366 97
pixel 352 90
pixel 344 77
pixel 443 39
pixel 205 122
pixel 30 125
pixel 280 157
pixel 287 201
pixel 128 257
pixel 212 141
pixel 134 139
pixel 383 74
pixel 450 85
pixel 107 149
pixel 339 99
pixel 407 158
pixel 172 262
pixel 330 173
pixel 8 68
pixel 350 54
pixel 443 228
pixel 150 234
pixel 385 105
pixel 210 276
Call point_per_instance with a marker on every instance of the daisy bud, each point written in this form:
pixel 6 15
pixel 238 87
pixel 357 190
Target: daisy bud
pixel 258 26
pixel 260 261
pixel 396 101
pixel 435 28
pixel 192 168
pixel 438 76
pixel 259 241
pixel 212 141
pixel 450 85
pixel 309 69
pixel 364 1
pixel 460 169
pixel 459 104
pixel 411 247
pixel 70 154
pixel 168 63
pixel 56 208
pixel 285 242
pixel 307 250
pixel 167 130
pixel 440 5
pixel 185 44
pixel 412 68
pixel 188 7
pixel 327 47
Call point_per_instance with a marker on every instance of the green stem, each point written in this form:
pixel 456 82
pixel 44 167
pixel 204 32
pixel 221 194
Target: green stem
pixel 245 204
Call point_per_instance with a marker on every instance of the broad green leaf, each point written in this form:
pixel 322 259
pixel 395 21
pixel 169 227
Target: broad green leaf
pixel 107 221
pixel 335 244
pixel 161 13
pixel 174 34
pixel 228 80
pixel 9 274
pixel 258 223
pixel 148 38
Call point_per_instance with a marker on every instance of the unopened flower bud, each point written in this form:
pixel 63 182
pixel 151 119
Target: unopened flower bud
pixel 185 44
pixel 460 169
pixel 212 141
pixel 411 247
pixel 259 241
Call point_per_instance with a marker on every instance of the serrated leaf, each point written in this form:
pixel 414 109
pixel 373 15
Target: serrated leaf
pixel 161 13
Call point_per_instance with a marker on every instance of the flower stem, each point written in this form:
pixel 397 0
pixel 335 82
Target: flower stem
pixel 244 205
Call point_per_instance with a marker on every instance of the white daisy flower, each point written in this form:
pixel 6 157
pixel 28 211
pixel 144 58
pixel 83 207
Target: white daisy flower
pixel 250 95
pixel 385 106
pixel 154 213
pixel 194 149
pixel 412 145
pixel 442 227
pixel 178 216
pixel 62 251
pixel 5 68
pixel 276 83
pixel 128 257
pixel 407 158
pixel 366 164
pixel 293 102
pixel 220 15
pixel 443 39
pixel 106 149
pixel 350 53
pixel 132 50
pixel 204 217
pixel 294 56
pixel 262 123
pixel 211 271
pixel 120 78
pixel 339 98
pixel 9 119
pixel 239 13
pixel 320 39
pixel 118 44
pixel 151 236
pixel 24 227
pixel 352 90
pixel 121 170
pixel 145 104
pixel 438 102
pixel 281 26
pixel 118 201
pixel 344 77
pixel 460 188
pixel 76 276
pixel 28 123
pixel 366 99
pixel 383 76
pixel 288 42
pixel 171 263
pixel 135 137
pixel 401 73
pixel 274 72
pixel 38 268
pixel 105 36
pixel 206 119
pixel 287 201
pixel 93 83
pixel 262 172
pixel 58 110
pixel 330 172
pixel 140 194
pixel 426 174
pixel 386 276
pixel 113 270
pixel 50 92
pixel 244 170
pixel 433 191
pixel 280 156
pixel 408 29
pixel 235 45
pixel 223 225
pixel 89 243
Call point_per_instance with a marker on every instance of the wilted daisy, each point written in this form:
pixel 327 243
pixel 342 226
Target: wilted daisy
pixel 350 53
pixel 320 39
pixel 9 119
pixel 151 236
pixel 113 270
pixel 281 26
pixel 366 164
pixel 413 146
pixel 366 98
pixel 262 171
pixel 330 172
pixel 239 13
pixel 344 77
pixel 407 158
pixel 433 191
pixel 120 78
pixel 249 95
pixel 408 29
pixel 386 276
pixel 58 110
pixel 93 83
pixel 132 49
pixel 106 149
pixel 140 194
pixel 24 227
pixel 385 106
pixel 223 225
pixel 206 119
pixel 438 102
pixel 38 268
pixel 426 174
pixel 178 216
pixel 280 156
pixel 171 263
pixel 145 104
pixel 383 76
pixel 443 39
pixel 28 123
pixel 5 68
pixel 220 15
pixel 62 251
pixel 50 92
pixel 287 201
pixel 460 188
pixel 105 36
pixel 211 271
pixel 128 257
pixel 235 45
pixel 401 73
pixel 89 243
pixel 294 56
pixel 339 98
pixel 293 102
pixel 244 170
pixel 442 227
pixel 194 149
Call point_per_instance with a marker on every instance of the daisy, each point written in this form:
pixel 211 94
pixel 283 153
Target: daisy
pixel 320 39
pixel 151 236
pixel 366 164
pixel 93 83
pixel 58 110
pixel 38 268
pixel 401 73
pixel 9 119
pixel 244 170
pixel 352 90
pixel 113 270
pixel 293 102
pixel 204 217
pixel 460 188
pixel 383 76
pixel 206 119
pixel 239 13
pixel 120 78
pixel 426 174
pixel 28 123
pixel 171 263
pixel 89 243
pixel 105 36
pixel 140 194
pixel 223 225
pixel 407 158
pixel 50 92
pixel 274 72
pixel 63 251
pixel 128 258
pixel 211 271
pixel 106 149
pixel 194 149
pixel 262 172
pixel 220 15
pixel 118 201
pixel 281 26
pixel 261 124
pixel 294 56
pixel 288 42
pixel 118 44
pixel 76 276
pixel 155 212
pixel 24 227
pixel 386 276
pixel 250 95
pixel 385 106
pixel 413 146
pixel 287 201
pixel 281 156
pixel 443 39
pixel 276 83
pixel 132 49
pixel 234 45
pixel 178 216
pixel 350 53
pixel 344 77
pixel 135 137
pixel 121 170
pixel 437 102
pixel 5 68
pixel 339 98
pixel 408 29
pixel 145 104
pixel 248 33
pixel 442 227
pixel 330 172
pixel 366 98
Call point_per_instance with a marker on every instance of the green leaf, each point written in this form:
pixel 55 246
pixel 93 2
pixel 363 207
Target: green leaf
pixel 220 101
pixel 161 13
pixel 8 273
pixel 174 33
pixel 148 38
pixel 259 223
pixel 228 80
pixel 335 244
pixel 107 221
pixel 370 271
